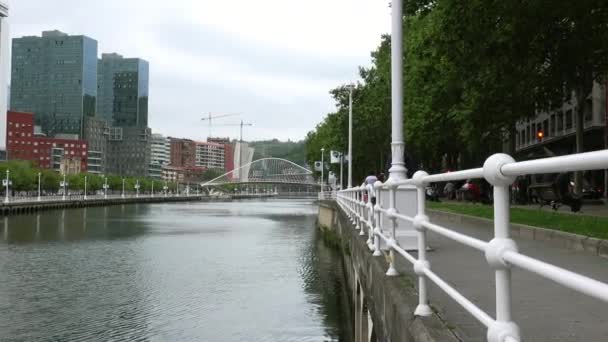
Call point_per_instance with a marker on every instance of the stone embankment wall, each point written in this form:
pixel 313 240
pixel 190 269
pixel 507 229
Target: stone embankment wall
pixel 383 306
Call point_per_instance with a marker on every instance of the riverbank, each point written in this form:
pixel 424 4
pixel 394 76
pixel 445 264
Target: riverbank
pixel 20 206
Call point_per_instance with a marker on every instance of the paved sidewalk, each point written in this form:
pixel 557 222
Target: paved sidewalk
pixel 543 310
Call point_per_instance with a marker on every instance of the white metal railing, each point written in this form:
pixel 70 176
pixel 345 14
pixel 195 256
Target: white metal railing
pixel 328 195
pixel 501 252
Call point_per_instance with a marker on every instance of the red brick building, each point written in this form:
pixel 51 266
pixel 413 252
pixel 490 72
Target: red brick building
pixel 183 153
pixel 46 153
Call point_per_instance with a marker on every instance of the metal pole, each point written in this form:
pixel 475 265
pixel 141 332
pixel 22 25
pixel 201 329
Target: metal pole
pixel 122 195
pixel 105 188
pixel 85 187
pixel 39 177
pixel 350 137
pixel 341 170
pixel 322 167
pixel 152 192
pixel 397 170
pixel 64 187
pixel 6 183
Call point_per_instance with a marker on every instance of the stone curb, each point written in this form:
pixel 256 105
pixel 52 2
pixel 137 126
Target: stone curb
pixel 565 240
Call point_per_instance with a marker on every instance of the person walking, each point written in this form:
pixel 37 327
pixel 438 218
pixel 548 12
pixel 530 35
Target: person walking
pixel 370 180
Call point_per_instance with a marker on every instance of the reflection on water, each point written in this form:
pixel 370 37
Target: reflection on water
pixel 244 271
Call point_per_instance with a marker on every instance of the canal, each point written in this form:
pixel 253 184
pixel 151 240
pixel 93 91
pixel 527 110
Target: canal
pixel 240 271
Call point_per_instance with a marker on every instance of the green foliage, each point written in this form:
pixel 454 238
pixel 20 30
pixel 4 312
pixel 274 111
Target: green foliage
pixel 472 70
pixel 291 150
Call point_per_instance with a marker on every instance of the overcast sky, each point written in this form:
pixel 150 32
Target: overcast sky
pixel 272 60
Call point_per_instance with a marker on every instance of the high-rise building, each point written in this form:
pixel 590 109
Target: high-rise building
pixel 55 76
pixel 96 132
pixel 228 152
pixel 160 155
pixel 4 59
pixel 129 151
pixel 123 90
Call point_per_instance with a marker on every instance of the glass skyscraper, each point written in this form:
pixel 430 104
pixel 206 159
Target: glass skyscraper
pixel 55 77
pixel 123 90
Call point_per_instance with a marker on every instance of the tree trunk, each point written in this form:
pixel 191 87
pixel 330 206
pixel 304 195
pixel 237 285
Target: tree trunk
pixel 580 130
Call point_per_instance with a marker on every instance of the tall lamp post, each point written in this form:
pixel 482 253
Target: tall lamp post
pixel 350 136
pixel 85 188
pixel 105 188
pixel 64 185
pixel 397 171
pixel 39 178
pixel 137 189
pixel 165 188
pixel 322 167
pixel 122 194
pixel 152 192
pixel 7 183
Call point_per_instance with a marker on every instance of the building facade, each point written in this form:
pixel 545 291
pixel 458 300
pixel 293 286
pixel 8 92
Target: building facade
pixel 59 154
pixel 123 85
pixel 228 152
pixel 183 152
pixel 4 65
pixel 210 155
pixel 129 151
pixel 97 132
pixel 160 155
pixel 558 127
pixel 55 76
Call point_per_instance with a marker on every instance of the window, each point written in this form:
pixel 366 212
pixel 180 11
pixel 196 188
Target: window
pixel 569 119
pixel 588 110
pixel 552 126
pixel 560 122
pixel 546 127
pixel 528 133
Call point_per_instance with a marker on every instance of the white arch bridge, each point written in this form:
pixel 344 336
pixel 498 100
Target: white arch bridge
pixel 274 175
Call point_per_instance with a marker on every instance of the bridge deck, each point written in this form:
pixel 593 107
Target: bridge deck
pixel 544 310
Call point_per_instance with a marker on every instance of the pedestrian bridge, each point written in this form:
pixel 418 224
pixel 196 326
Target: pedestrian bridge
pixel 265 175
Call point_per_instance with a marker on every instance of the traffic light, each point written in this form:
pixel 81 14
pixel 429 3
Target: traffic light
pixel 540 135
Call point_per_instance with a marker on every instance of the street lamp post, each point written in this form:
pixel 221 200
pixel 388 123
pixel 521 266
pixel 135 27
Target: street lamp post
pixel 152 192
pixel 137 189
pixel 85 188
pixel 39 178
pixel 105 188
pixel 165 188
pixel 350 137
pixel 322 166
pixel 188 190
pixel 7 182
pixel 397 171
pixel 64 185
pixel 122 194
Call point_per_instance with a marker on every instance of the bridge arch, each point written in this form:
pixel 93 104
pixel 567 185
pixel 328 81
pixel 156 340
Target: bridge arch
pixel 266 171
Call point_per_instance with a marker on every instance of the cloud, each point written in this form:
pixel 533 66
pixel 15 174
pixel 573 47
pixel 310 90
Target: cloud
pixel 273 60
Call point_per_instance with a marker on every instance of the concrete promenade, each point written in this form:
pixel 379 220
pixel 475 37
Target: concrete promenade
pixel 25 205
pixel 544 310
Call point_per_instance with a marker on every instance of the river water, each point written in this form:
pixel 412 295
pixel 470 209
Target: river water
pixel 240 271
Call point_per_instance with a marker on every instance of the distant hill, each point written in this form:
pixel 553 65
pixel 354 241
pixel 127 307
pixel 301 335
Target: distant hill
pixel 291 150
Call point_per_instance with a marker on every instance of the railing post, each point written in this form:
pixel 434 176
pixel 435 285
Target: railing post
pixel 423 308
pixel 363 209
pixel 503 327
pixel 392 210
pixel 378 212
pixel 370 216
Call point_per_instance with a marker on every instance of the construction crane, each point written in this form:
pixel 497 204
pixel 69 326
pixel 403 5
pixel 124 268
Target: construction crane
pixel 239 124
pixel 211 116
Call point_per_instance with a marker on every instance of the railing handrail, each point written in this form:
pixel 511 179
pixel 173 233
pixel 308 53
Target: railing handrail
pixel 501 252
